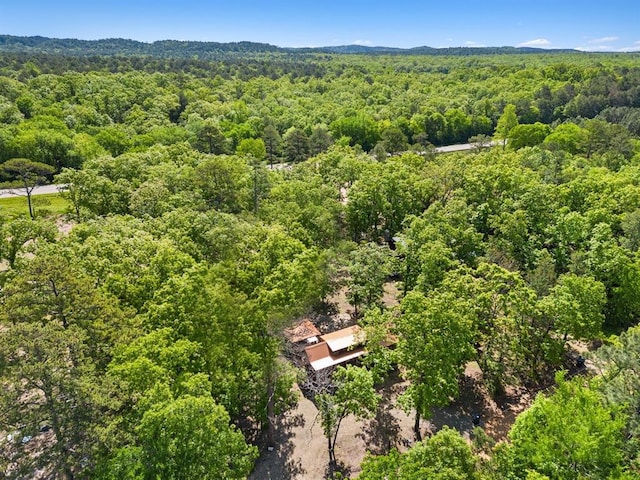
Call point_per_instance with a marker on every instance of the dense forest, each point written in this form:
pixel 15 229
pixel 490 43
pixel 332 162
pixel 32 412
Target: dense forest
pixel 216 50
pixel 215 201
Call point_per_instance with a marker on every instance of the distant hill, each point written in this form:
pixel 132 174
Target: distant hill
pixel 453 51
pixel 213 50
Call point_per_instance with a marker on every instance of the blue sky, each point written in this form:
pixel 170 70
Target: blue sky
pixel 597 25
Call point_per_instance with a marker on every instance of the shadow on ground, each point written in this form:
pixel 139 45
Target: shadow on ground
pixel 276 461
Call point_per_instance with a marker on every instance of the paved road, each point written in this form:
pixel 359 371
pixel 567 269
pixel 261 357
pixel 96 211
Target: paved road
pixel 459 147
pixel 13 192
pixel 54 188
pixel 455 148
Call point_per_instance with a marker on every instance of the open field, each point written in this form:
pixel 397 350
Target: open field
pixel 45 205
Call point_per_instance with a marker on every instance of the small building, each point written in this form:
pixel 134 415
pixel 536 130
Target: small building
pixel 336 347
pixel 305 331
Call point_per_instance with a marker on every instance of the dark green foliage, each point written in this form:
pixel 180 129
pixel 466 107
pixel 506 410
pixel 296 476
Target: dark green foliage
pixel 157 319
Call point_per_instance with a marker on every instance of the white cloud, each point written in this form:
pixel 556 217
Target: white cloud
pixel 538 42
pixel 603 40
pixel 634 48
pixel 470 43
pixel 367 43
pixel 595 48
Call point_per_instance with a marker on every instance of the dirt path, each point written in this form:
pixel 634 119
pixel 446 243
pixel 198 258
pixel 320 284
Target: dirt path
pixel 301 447
pixel 300 451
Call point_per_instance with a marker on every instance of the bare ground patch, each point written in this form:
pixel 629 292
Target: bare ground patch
pixel 300 450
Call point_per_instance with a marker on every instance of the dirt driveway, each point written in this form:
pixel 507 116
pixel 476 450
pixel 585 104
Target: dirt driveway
pixel 300 452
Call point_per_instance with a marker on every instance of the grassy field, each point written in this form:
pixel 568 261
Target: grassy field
pixel 44 205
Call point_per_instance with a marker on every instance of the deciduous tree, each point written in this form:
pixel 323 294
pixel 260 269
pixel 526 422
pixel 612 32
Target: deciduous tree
pixel 507 121
pixel 190 437
pixel 354 395
pixel 435 340
pixel 570 434
pixel 28 175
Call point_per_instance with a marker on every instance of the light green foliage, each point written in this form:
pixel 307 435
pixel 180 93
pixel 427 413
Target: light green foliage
pixel 306 207
pixel 573 309
pixel 506 123
pixel 435 340
pixel 381 467
pixel 252 147
pixel 384 195
pixel 354 395
pixel 115 139
pixel 15 234
pixel 576 303
pixel 277 271
pixel 201 309
pixel 568 435
pixel 369 266
pixel 159 357
pixel 174 428
pixel 92 194
pixel 191 437
pixel 568 137
pixel 504 308
pixel 125 259
pixel 438 241
pixel 444 456
pixel 360 130
pixel 210 236
pixel 46 139
pixel 380 358
pixel 528 135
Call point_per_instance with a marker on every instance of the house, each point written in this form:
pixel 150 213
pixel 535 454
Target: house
pixel 305 331
pixel 336 347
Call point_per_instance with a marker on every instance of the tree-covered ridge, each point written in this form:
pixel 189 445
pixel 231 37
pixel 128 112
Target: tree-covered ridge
pixel 213 50
pixel 210 210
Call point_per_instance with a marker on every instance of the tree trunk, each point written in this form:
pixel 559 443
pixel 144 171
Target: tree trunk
pixel 332 455
pixel 31 214
pixel 271 417
pixel 255 189
pixel 416 426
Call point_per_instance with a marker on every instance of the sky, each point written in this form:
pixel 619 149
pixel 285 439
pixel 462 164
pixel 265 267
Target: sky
pixel 595 25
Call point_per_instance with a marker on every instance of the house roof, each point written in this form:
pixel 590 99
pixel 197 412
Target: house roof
pixel 336 347
pixel 320 355
pixel 302 331
pixel 344 338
